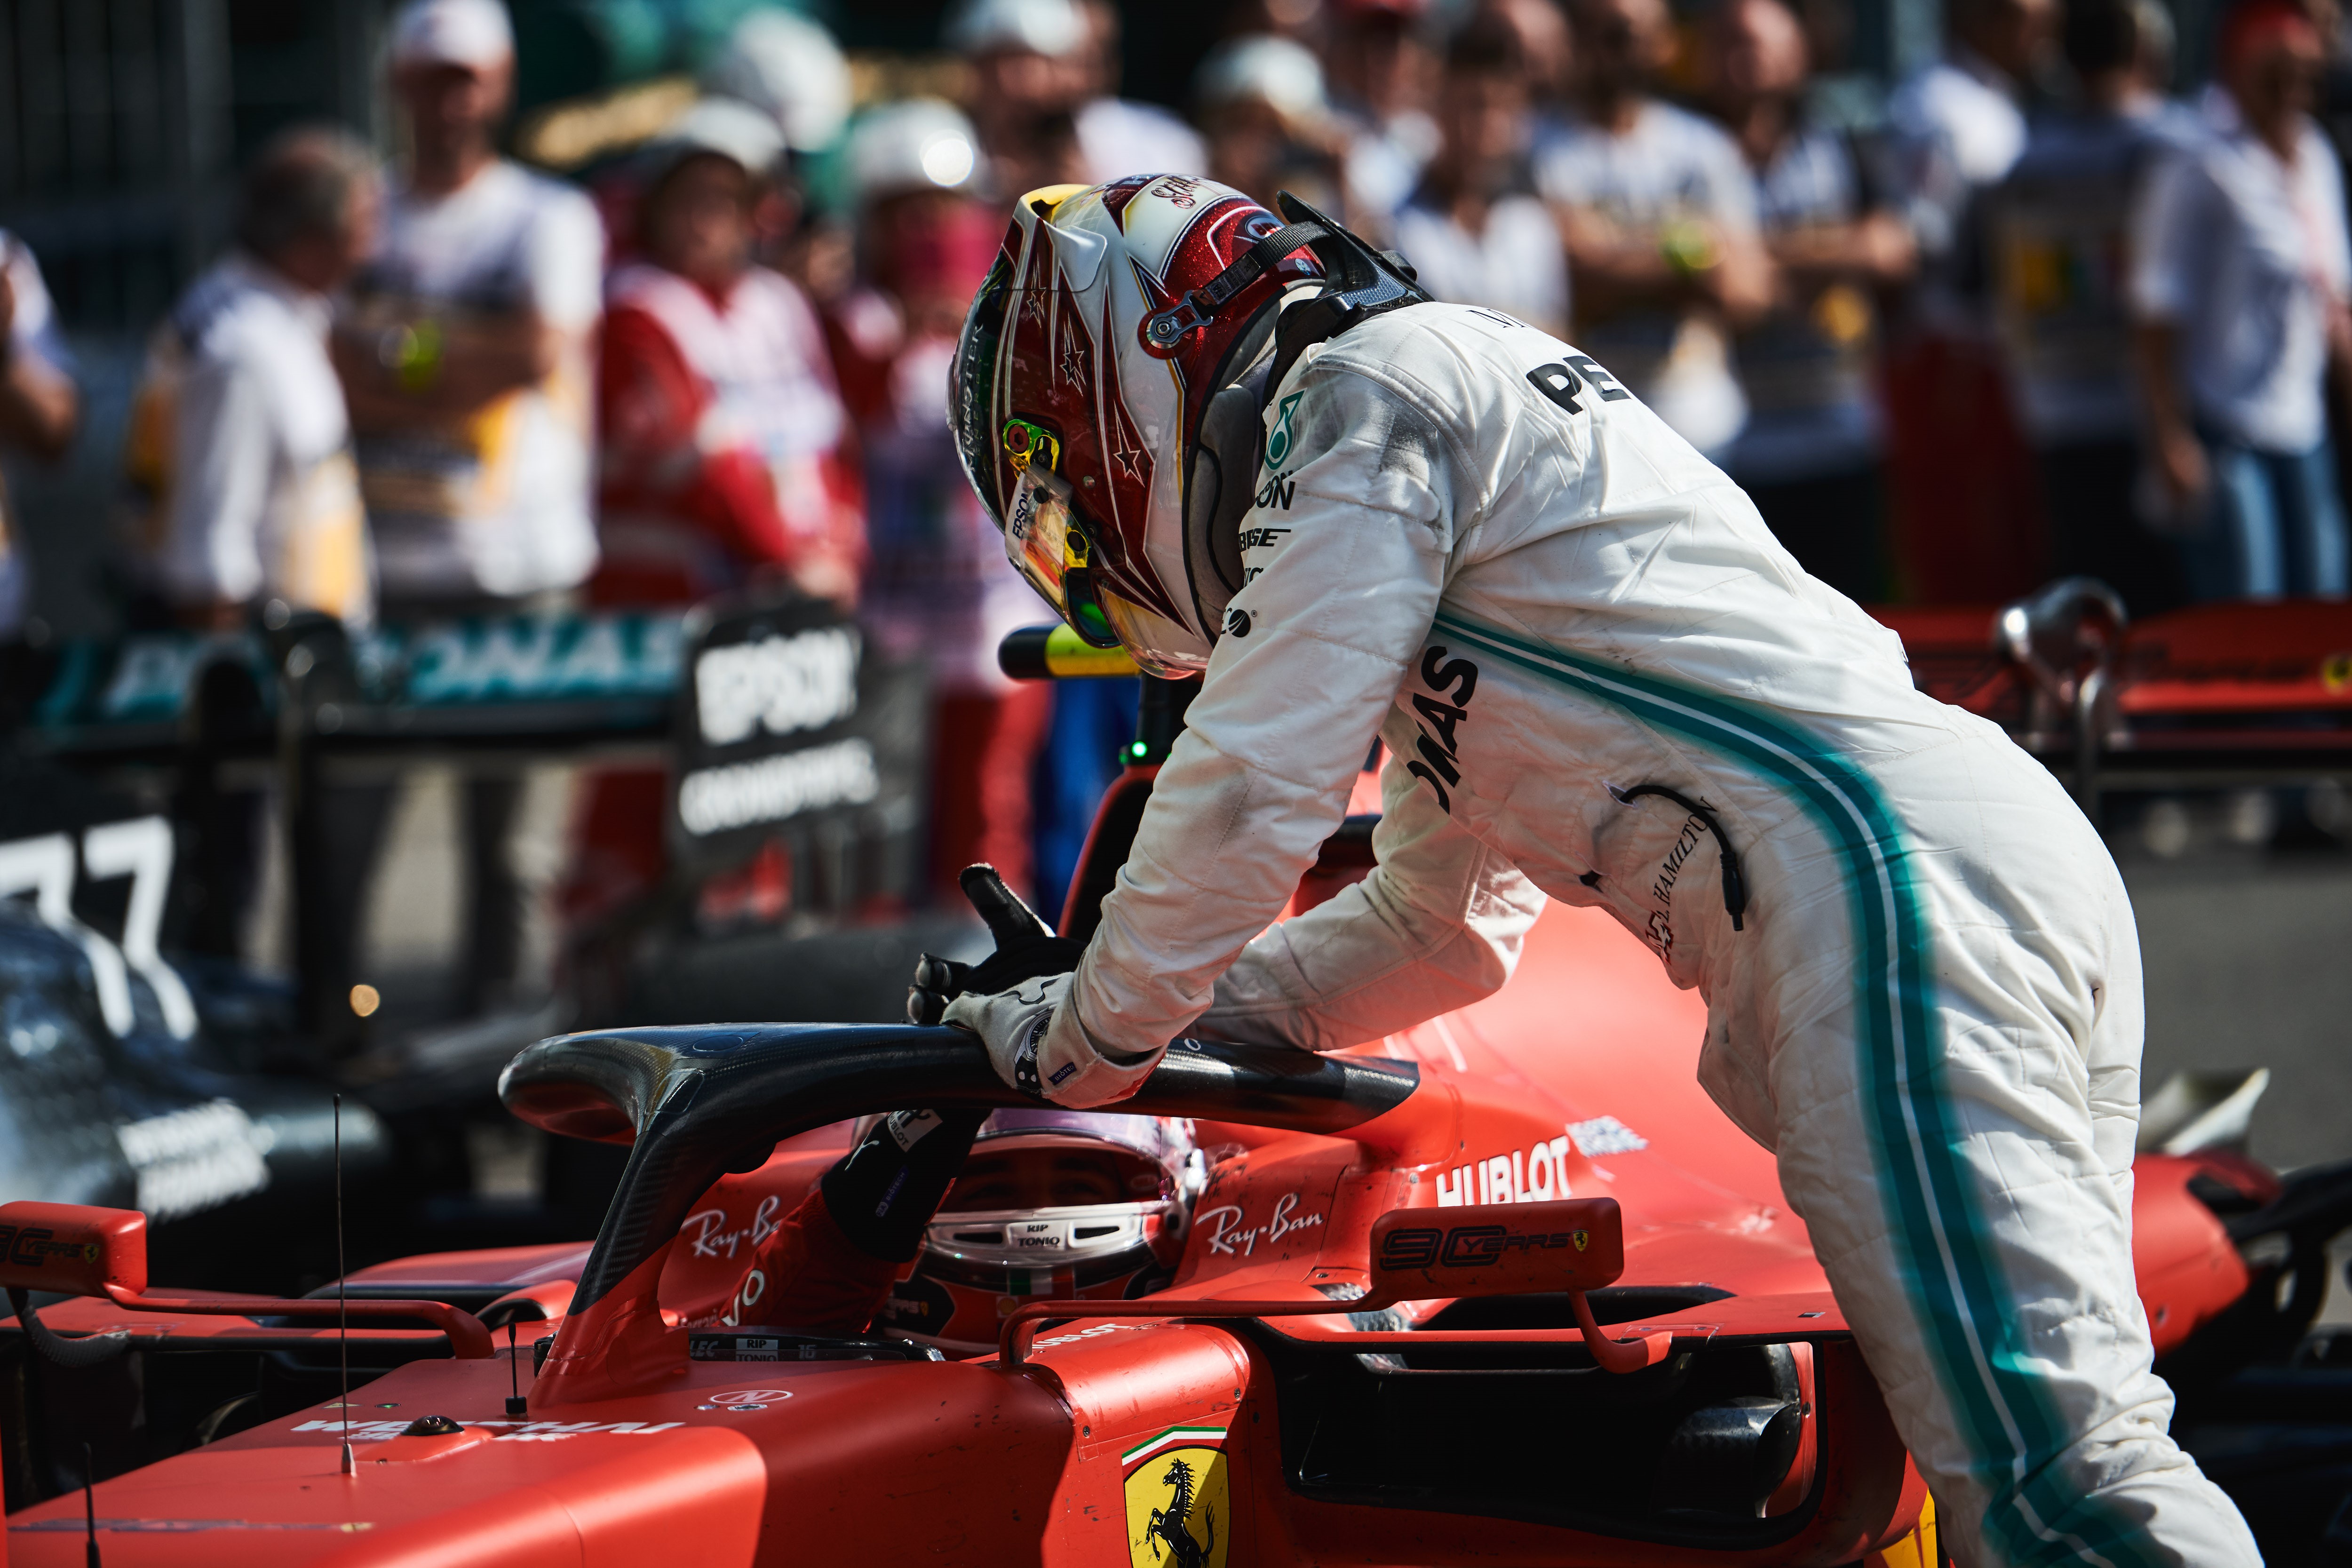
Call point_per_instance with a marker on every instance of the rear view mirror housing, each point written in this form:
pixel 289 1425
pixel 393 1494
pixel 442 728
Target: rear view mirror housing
pixel 1498 1249
pixel 72 1249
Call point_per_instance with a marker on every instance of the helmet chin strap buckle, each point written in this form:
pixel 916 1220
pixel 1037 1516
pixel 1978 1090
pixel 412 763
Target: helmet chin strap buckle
pixel 1172 326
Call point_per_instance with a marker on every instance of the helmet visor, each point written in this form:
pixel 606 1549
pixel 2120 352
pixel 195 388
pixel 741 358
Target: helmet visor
pixel 1049 548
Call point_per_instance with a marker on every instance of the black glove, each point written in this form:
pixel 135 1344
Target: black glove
pixel 1026 948
pixel 884 1192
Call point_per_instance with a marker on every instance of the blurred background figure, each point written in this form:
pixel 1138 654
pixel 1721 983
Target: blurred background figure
pixel 244 495
pixel 1267 123
pixel 465 358
pixel 1547 54
pixel 1966 502
pixel 725 458
pixel 940 588
pixel 1658 212
pixel 727 461
pixel 1810 453
pixel 789 69
pixel 1476 230
pixel 1381 70
pixel 2239 276
pixel 40 408
pixel 1118 135
pixel 241 448
pixel 2057 233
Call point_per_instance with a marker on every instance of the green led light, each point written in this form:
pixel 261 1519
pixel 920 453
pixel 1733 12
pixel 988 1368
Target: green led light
pixel 1138 750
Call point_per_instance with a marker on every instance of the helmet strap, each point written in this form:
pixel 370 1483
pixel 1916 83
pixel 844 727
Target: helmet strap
pixel 1360 283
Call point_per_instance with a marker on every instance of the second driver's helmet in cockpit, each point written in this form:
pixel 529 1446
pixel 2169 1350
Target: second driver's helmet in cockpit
pixel 1050 1205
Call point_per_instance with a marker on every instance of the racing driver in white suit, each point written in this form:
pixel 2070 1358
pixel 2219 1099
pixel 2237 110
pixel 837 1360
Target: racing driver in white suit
pixel 1253 448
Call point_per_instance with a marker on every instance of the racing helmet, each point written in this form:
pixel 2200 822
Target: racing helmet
pixel 1050 1203
pixel 1112 318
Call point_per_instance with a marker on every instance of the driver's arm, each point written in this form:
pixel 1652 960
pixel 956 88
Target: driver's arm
pixel 1436 926
pixel 1275 740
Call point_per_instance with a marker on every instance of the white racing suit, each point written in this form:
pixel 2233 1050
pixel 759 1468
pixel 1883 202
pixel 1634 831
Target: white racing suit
pixel 1470 538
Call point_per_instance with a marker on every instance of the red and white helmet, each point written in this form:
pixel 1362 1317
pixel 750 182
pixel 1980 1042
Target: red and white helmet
pixel 1112 318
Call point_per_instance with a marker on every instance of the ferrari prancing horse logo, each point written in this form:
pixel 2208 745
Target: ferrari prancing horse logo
pixel 1178 1514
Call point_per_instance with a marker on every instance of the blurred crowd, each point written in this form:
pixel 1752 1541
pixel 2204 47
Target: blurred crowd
pixel 2029 313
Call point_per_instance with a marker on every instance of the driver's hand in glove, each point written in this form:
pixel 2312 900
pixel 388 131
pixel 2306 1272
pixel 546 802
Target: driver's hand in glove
pixel 1017 1002
pixel 1026 948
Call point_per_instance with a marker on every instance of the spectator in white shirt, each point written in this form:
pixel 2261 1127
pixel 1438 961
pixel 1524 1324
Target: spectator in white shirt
pixel 1809 454
pixel 1658 212
pixel 1474 231
pixel 245 497
pixel 465 360
pixel 240 442
pixel 2240 279
pixel 39 407
pixel 465 354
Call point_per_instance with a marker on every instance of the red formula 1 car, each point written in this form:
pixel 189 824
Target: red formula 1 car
pixel 1503 1289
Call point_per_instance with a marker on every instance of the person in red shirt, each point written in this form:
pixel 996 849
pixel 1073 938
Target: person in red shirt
pixel 726 461
pixel 724 457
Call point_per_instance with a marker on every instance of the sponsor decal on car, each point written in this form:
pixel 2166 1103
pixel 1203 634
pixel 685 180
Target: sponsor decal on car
pixel 1531 1175
pixel 1227 1237
pixel 1605 1135
pixel 1178 1506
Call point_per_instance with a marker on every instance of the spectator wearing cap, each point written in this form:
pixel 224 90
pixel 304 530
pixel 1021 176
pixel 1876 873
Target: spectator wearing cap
pixel 939 587
pixel 2058 242
pixel 244 496
pixel 2239 282
pixel 465 356
pixel 1476 231
pixel 1119 136
pixel 1041 74
pixel 1809 455
pixel 1260 102
pixel 1965 498
pixel 1658 212
pixel 726 462
pixel 1382 72
pixel 790 68
pixel 39 407
pixel 1028 78
pixel 723 455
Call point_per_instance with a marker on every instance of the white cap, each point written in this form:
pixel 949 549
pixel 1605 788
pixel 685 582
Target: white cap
pixel 720 125
pixel 920 144
pixel 1042 27
pixel 1272 70
pixel 790 67
pixel 474 33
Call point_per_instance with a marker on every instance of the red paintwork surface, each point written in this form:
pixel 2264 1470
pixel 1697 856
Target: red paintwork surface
pixel 2189 1271
pixel 2219 659
pixel 966 1462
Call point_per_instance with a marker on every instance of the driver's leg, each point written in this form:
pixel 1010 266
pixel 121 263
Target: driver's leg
pixel 1953 1069
pixel 827 1268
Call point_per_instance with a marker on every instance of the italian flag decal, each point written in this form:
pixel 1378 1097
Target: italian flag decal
pixel 1173 1434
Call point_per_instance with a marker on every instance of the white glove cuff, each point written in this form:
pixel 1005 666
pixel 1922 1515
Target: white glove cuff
pixel 1075 1072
